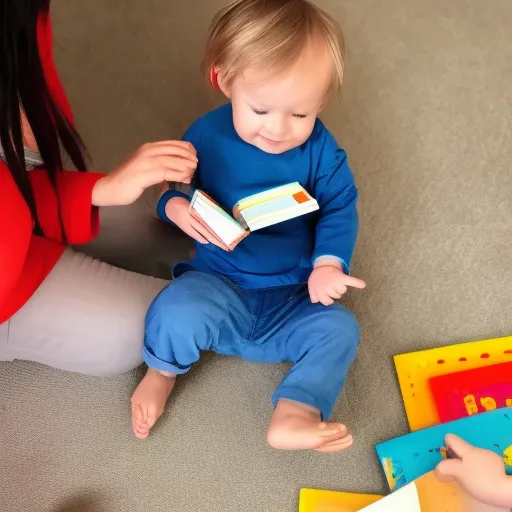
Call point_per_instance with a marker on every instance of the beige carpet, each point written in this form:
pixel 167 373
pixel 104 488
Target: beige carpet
pixel 426 119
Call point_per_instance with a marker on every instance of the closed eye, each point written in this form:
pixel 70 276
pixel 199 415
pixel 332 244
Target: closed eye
pixel 300 116
pixel 260 112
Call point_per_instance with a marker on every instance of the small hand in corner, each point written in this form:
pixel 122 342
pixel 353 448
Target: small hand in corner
pixel 481 473
pixel 329 283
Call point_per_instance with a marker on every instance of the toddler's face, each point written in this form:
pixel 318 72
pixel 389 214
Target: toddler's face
pixel 278 114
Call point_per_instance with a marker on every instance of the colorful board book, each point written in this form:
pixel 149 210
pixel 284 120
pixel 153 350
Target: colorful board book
pixel 251 213
pixel 415 370
pixel 406 458
pixel 426 494
pixel 470 392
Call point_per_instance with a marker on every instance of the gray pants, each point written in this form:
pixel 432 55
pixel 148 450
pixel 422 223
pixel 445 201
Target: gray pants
pixel 86 317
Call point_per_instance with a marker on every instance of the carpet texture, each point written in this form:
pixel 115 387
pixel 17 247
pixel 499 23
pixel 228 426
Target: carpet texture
pixel 426 118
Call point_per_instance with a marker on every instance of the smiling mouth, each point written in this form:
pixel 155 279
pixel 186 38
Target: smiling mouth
pixel 271 141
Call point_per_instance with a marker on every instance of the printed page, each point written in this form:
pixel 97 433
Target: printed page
pixel 404 500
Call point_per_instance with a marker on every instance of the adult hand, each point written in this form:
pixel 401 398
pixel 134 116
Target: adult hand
pixel 480 473
pixel 328 282
pixel 151 164
pixel 177 209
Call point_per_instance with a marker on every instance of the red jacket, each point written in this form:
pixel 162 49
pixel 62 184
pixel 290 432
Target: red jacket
pixel 25 258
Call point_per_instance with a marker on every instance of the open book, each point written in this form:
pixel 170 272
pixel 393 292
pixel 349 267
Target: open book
pixel 251 213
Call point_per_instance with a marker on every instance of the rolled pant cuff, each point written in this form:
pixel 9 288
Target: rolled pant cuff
pixel 297 395
pixel 162 366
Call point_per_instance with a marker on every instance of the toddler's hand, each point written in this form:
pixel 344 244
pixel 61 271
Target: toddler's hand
pixel 480 473
pixel 328 283
pixel 177 209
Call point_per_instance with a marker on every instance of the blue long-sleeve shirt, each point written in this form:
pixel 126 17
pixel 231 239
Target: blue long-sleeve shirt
pixel 230 169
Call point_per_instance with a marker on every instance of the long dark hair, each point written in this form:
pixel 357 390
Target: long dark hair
pixel 22 84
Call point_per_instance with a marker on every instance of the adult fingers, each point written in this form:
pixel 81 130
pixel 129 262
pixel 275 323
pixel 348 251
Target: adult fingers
pixel 458 446
pixel 448 470
pixel 173 163
pixel 171 148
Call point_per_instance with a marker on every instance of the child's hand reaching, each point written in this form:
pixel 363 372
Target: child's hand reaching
pixel 480 473
pixel 177 209
pixel 327 283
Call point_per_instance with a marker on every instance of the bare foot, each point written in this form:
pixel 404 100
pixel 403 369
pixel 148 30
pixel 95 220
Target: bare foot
pixel 148 401
pixel 296 426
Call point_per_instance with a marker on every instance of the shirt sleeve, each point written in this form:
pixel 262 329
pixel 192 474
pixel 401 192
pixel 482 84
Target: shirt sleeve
pixel 336 193
pixel 65 212
pixel 15 233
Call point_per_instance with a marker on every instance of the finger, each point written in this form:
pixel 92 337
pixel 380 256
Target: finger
pixel 354 282
pixel 174 163
pixel 198 237
pixel 325 299
pixel 448 470
pixel 458 445
pixel 180 177
pixel 171 148
pixel 312 295
pixel 336 292
pixel 206 234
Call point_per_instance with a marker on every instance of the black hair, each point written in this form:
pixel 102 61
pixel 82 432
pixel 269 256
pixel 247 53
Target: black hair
pixel 23 87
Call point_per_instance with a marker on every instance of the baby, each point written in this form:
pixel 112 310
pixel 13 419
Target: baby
pixel 272 299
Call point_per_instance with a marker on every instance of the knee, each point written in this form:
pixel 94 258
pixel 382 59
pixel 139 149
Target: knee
pixel 178 300
pixel 118 356
pixel 184 312
pixel 341 323
pixel 190 300
pixel 335 333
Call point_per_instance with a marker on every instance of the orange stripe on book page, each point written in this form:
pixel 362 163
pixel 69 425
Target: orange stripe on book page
pixel 301 197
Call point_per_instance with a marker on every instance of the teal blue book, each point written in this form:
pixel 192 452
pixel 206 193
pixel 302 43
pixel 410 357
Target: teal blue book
pixel 406 458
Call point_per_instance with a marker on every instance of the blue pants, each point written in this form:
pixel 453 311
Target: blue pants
pixel 201 311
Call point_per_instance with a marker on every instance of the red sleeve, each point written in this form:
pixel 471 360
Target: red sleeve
pixel 73 198
pixel 74 190
pixel 15 233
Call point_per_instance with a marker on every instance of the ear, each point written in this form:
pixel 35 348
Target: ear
pixel 222 85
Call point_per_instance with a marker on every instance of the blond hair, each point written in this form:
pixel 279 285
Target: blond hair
pixel 270 35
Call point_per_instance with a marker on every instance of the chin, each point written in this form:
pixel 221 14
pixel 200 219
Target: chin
pixel 274 150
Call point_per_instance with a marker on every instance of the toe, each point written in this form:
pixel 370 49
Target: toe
pixel 336 446
pixel 332 429
pixel 152 414
pixel 141 432
pixel 139 425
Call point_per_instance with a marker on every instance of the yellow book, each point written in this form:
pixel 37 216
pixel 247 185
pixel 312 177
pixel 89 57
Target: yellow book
pixel 315 500
pixel 414 370
pixel 425 494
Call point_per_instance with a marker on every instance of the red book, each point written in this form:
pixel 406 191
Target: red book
pixel 462 394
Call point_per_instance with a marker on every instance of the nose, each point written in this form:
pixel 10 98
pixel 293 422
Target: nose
pixel 276 126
